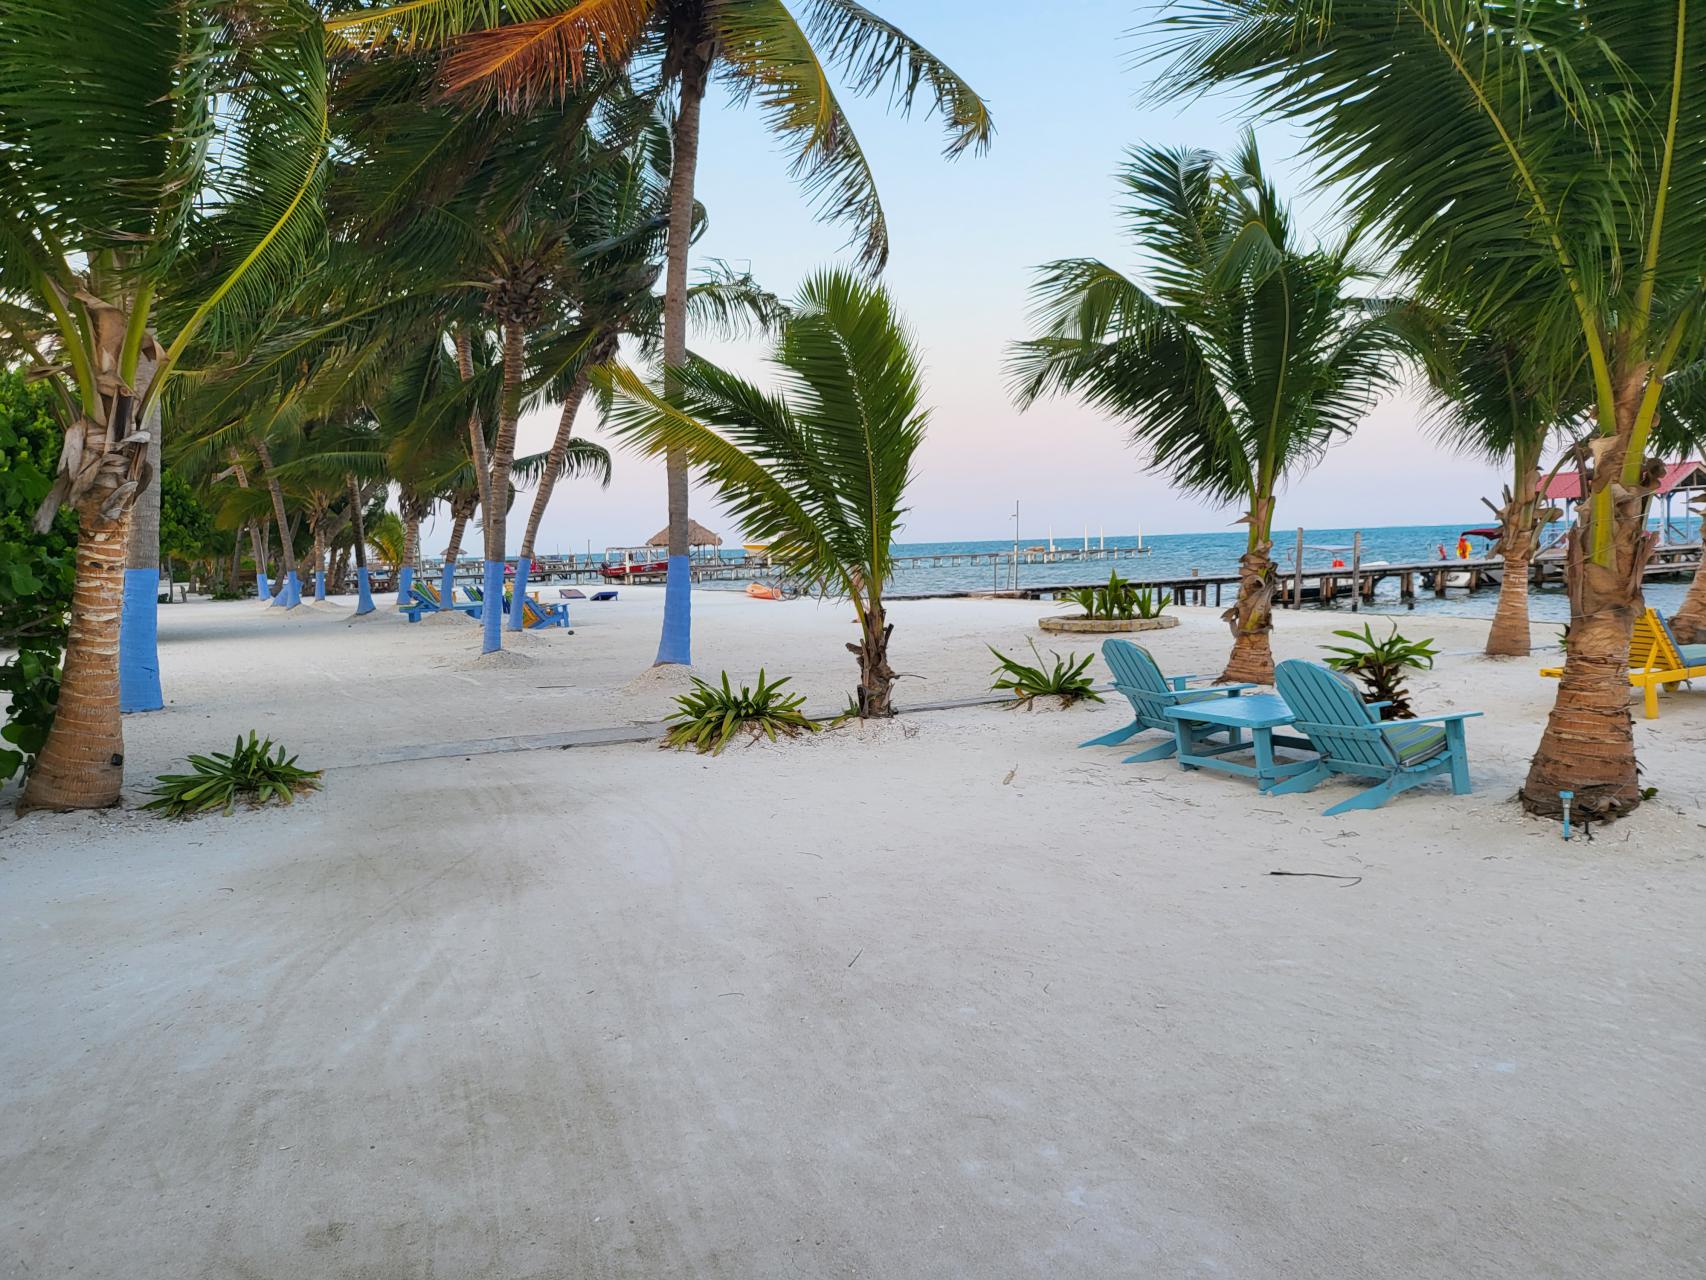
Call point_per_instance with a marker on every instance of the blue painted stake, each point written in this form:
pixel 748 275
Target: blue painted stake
pixel 1566 797
pixel 138 643
pixel 263 589
pixel 405 584
pixel 363 596
pixel 319 584
pixel 447 585
pixel 492 607
pixel 676 642
pixel 518 601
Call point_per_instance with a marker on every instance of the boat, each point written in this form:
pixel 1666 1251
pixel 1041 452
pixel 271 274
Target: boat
pixel 622 564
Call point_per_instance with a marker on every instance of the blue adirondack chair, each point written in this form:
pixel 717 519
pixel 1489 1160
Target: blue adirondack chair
pixel 1352 740
pixel 426 601
pixel 1150 693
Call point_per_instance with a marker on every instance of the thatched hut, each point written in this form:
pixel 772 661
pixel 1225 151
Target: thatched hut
pixel 700 540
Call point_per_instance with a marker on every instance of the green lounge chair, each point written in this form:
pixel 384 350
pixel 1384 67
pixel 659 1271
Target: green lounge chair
pixel 1352 740
pixel 1150 693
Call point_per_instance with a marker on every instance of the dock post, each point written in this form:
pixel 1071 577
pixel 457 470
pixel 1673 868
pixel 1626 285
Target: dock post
pixel 1356 572
pixel 1297 575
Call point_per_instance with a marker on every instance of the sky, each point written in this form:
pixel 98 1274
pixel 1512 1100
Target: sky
pixel 1068 96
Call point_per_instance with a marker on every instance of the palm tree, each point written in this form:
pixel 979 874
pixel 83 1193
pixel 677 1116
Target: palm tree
pixel 762 52
pixel 1242 362
pixel 124 238
pixel 820 473
pixel 1541 163
pixel 1483 406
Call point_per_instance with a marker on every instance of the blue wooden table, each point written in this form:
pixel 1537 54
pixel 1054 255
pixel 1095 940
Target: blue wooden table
pixel 1208 732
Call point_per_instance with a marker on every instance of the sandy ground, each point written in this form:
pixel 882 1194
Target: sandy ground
pixel 951 998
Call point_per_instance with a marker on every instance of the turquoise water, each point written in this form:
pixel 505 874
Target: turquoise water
pixel 1176 555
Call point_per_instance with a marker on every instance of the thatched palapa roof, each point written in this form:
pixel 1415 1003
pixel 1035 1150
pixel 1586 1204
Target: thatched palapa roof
pixel 697 536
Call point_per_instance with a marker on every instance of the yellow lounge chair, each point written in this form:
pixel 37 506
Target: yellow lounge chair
pixel 1655 658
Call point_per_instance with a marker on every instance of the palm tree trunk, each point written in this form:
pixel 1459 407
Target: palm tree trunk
pixel 461 508
pixel 290 594
pixel 1689 621
pixel 139 639
pixel 411 514
pixel 358 532
pixel 497 486
pixel 81 764
pixel 547 483
pixel 1252 616
pixel 257 537
pixel 876 677
pixel 320 555
pixel 1588 747
pixel 1509 637
pixel 675 645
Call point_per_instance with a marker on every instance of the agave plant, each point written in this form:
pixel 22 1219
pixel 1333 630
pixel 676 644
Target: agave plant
pixel 250 770
pixel 1381 664
pixel 711 714
pixel 1065 680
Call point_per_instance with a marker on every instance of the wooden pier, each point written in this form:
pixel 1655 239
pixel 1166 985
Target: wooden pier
pixel 1312 586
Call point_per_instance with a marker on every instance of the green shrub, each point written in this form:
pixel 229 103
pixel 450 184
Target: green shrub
pixel 250 772
pixel 710 715
pixel 1118 599
pixel 1380 665
pixel 36 570
pixel 1065 680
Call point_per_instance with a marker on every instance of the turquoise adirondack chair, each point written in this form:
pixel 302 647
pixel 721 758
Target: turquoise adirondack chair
pixel 1352 740
pixel 1150 693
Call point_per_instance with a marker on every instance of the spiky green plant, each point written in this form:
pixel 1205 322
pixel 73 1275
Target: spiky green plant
pixel 1381 664
pixel 711 714
pixel 1065 680
pixel 250 770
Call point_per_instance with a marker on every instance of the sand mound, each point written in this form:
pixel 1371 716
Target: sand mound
pixel 446 618
pixel 670 678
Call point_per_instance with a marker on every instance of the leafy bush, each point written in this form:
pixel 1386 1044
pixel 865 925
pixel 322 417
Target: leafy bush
pixel 1150 602
pixel 36 570
pixel 250 771
pixel 1381 664
pixel 1065 680
pixel 710 715
pixel 1119 600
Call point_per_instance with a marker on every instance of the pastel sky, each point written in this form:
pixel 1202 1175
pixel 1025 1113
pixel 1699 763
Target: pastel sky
pixel 1068 99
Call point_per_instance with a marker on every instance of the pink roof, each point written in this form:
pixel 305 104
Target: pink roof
pixel 1566 486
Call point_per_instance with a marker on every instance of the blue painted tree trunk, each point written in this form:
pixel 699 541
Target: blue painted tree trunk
pixel 363 596
pixel 263 588
pixel 138 654
pixel 406 584
pixel 518 600
pixel 492 607
pixel 447 585
pixel 290 594
pixel 676 643
pixel 319 584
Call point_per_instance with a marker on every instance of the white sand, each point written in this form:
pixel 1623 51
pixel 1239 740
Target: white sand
pixel 950 998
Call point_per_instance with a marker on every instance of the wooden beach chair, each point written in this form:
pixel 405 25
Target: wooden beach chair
pixel 426 600
pixel 1354 741
pixel 1150 693
pixel 536 615
pixel 1655 660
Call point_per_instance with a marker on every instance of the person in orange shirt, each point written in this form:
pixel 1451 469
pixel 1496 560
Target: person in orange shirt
pixel 1462 546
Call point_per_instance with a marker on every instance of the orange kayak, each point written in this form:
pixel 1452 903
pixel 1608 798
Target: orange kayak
pixel 762 591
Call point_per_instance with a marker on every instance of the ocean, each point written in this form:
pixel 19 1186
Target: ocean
pixel 1177 554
